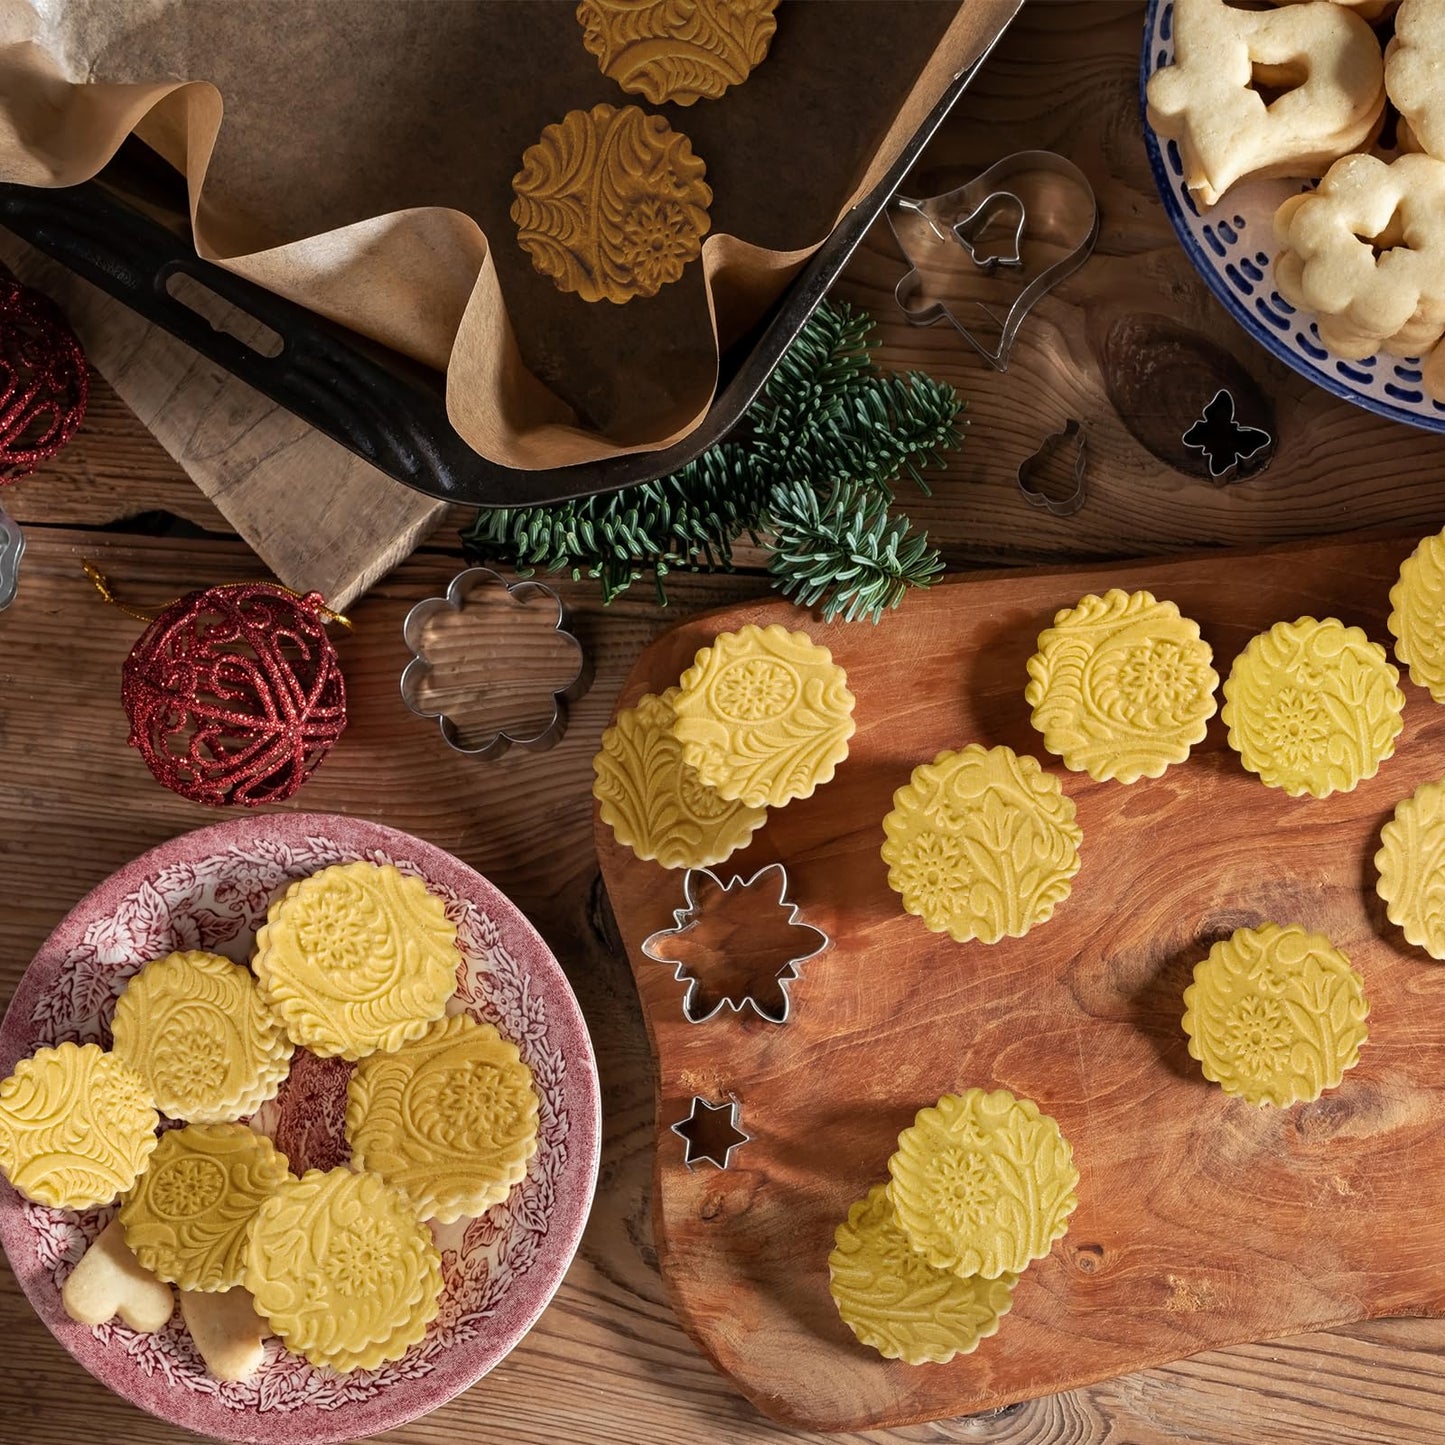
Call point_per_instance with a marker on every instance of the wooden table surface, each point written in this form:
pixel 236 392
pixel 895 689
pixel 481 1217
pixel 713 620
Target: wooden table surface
pixel 607 1362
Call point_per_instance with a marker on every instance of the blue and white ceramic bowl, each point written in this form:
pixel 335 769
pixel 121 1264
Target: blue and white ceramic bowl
pixel 1232 247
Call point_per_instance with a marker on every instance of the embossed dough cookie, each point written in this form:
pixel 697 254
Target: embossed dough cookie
pixel 76 1126
pixel 981 844
pixel 1275 1015
pixel 357 957
pixel 1411 865
pixel 1417 615
pixel 450 1118
pixel 343 1270
pixel 763 715
pixel 654 803
pixel 611 203
pixel 195 1028
pixel 895 1302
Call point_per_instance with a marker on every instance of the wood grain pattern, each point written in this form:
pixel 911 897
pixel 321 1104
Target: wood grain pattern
pixel 1202 1220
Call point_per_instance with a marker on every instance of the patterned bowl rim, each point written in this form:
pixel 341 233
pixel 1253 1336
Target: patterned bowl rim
pixel 520 1307
pixel 1175 209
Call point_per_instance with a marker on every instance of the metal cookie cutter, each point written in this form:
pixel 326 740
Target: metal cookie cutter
pixel 12 548
pixel 1029 468
pixel 1226 442
pixel 687 949
pixel 1047 204
pixel 501 657
pixel 710 1130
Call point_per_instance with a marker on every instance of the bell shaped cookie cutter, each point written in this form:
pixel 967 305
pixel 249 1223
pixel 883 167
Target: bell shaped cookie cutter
pixel 519 595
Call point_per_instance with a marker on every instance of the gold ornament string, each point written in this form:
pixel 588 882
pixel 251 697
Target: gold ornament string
pixel 102 585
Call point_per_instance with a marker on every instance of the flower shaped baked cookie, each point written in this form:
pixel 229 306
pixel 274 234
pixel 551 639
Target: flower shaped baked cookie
pixel 1415 71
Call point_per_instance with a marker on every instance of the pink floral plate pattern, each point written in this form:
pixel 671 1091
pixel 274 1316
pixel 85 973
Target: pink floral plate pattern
pixel 210 889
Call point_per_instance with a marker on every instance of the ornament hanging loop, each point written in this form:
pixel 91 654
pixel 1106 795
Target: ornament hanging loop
pixel 314 600
pixel 102 585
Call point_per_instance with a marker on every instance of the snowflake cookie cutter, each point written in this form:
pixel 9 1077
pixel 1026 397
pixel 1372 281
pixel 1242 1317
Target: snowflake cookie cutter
pixel 501 653
pixel 702 1123
pixel 702 892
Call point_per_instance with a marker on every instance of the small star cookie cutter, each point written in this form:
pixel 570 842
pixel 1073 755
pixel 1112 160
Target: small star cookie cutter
pixel 700 899
pixel 500 653
pixel 12 548
pixel 705 1119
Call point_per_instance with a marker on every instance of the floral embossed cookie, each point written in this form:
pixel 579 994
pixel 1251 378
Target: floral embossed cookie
pixel 1121 686
pixel 1411 865
pixel 450 1118
pixel 355 958
pixel 654 803
pixel 1417 615
pixel 983 1183
pixel 189 1216
pixel 195 1028
pixel 1313 707
pixel 77 1126
pixel 611 203
pixel 981 844
pixel 763 715
pixel 679 53
pixel 1275 1015
pixel 896 1302
pixel 343 1270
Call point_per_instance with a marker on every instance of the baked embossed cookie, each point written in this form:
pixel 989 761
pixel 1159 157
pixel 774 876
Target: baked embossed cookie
pixel 1411 867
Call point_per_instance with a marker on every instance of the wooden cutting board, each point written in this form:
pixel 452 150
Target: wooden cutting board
pixel 1202 1221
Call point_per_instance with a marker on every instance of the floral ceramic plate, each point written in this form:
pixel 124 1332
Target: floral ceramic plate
pixel 210 890
pixel 1232 247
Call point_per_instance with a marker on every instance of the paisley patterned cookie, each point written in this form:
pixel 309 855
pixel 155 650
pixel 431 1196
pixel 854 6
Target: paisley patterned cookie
pixel 896 1302
pixel 450 1118
pixel 677 50
pixel 1411 865
pixel 981 844
pixel 355 958
pixel 77 1126
pixel 1275 1015
pixel 654 803
pixel 195 1027
pixel 1121 686
pixel 1417 617
pixel 763 715
pixel 188 1217
pixel 983 1183
pixel 343 1270
pixel 611 203
pixel 1313 707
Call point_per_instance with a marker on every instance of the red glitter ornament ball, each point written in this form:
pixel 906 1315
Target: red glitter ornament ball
pixel 44 380
pixel 235 694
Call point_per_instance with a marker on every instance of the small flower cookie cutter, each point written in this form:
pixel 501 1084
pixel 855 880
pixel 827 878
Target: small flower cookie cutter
pixel 1035 496
pixel 1043 197
pixel 687 918
pixel 518 595
pixel 12 548
pixel 1226 442
pixel 703 1120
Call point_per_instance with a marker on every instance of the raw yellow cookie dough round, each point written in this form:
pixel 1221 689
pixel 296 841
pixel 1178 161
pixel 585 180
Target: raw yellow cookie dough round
pixel 195 1028
pixel 981 844
pixel 357 957
pixel 1411 867
pixel 189 1216
pixel 763 715
pixel 1275 1014
pixel 76 1126
pixel 450 1118
pixel 343 1270
pixel 1121 686
pixel 1417 616
pixel 895 1302
pixel 982 1183
pixel 1313 707
pixel 654 803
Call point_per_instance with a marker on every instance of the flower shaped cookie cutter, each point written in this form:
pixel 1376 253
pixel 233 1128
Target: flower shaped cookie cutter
pixel 501 660
pixel 12 548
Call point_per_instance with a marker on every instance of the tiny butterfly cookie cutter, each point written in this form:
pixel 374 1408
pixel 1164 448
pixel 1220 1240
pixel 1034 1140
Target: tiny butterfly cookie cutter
pixel 416 672
pixel 1226 443
pixel 12 548
pixel 700 1117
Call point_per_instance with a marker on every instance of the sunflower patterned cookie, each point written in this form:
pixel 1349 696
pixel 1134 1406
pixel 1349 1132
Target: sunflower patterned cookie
pixel 1411 865
pixel 611 203
pixel 343 1270
pixel 895 1302
pixel 1121 686
pixel 1275 1015
pixel 77 1125
pixel 981 844
pixel 677 50
pixel 450 1118
pixel 195 1027
pixel 1313 707
pixel 654 803
pixel 188 1218
pixel 1417 617
pixel 357 957
pixel 982 1183
pixel 763 715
